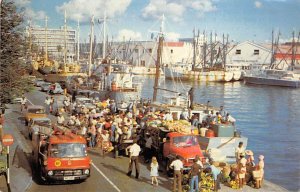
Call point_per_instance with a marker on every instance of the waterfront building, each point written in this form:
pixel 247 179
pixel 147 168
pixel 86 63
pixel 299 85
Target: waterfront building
pixel 248 55
pixel 144 53
pixel 55 40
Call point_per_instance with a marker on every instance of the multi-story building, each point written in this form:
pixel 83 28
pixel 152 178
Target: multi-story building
pixel 55 40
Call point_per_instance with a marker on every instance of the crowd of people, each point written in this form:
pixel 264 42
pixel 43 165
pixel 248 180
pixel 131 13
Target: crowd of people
pixel 106 126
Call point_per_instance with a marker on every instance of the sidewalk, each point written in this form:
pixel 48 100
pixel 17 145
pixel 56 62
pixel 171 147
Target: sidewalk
pixel 20 169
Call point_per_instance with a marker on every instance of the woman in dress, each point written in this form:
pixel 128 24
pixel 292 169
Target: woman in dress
pixel 154 171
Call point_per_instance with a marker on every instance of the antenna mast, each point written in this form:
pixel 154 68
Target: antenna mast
pixel 91 45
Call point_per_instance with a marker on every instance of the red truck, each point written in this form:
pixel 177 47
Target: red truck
pixel 61 156
pixel 169 144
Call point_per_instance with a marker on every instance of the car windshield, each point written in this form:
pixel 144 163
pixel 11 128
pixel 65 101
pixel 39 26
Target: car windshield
pixel 68 150
pixel 185 141
pixel 36 111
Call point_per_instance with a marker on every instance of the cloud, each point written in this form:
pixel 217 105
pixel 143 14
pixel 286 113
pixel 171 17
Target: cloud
pixel 82 10
pixel 126 35
pixel 30 14
pixel 258 4
pixel 172 36
pixel 22 3
pixel 175 9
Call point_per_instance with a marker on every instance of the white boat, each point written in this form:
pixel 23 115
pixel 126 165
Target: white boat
pixel 284 78
pixel 184 72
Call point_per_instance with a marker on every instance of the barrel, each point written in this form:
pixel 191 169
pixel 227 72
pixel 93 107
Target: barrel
pixel 210 133
pixel 113 86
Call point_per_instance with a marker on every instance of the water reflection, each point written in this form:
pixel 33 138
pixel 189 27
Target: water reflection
pixel 268 116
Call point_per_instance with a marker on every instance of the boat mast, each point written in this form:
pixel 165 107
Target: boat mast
pixel 272 50
pixel 46 38
pixel 78 33
pixel 104 36
pixel 158 61
pixel 293 52
pixel 194 50
pixel 91 45
pixel 65 39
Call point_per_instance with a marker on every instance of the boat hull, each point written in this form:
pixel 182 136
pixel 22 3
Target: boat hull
pixel 207 76
pixel 226 145
pixel 271 81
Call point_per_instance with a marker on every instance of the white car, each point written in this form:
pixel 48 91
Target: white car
pixel 55 89
pixel 85 103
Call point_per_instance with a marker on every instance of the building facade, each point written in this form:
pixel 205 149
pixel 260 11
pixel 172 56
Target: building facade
pixel 55 40
pixel 144 53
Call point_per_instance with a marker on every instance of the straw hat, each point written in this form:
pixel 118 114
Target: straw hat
pixel 249 152
pixel 261 157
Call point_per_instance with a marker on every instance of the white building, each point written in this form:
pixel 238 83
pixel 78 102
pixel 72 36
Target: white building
pixel 248 54
pixel 144 53
pixel 55 39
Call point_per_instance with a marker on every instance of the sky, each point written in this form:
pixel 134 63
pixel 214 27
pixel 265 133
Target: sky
pixel 242 20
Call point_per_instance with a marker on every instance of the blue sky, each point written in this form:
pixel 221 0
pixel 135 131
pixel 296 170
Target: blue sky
pixel 133 19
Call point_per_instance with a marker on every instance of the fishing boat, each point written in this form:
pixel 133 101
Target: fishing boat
pixel 212 70
pixel 220 140
pixel 276 75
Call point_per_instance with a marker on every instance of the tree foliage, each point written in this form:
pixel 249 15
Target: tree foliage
pixel 12 60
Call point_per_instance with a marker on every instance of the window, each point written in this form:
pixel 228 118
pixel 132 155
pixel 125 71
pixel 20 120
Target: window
pixel 150 50
pixel 256 52
pixel 171 50
pixel 238 52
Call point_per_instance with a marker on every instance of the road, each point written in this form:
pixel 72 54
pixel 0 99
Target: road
pixel 107 173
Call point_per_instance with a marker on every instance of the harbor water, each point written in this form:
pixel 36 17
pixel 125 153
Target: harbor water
pixel 269 116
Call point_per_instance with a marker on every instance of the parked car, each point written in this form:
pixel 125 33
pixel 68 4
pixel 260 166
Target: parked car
pixel 45 86
pixel 37 123
pixel 34 111
pixel 38 82
pixel 83 102
pixel 55 89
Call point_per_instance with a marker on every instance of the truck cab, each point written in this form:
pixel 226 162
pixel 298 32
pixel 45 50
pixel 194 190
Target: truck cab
pixel 169 144
pixel 62 156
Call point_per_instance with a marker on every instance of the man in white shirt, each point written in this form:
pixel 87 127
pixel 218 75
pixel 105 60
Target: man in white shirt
pixel 230 119
pixel 23 102
pixel 47 104
pixel 178 167
pixel 240 150
pixel 168 117
pixel 60 119
pixel 134 151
